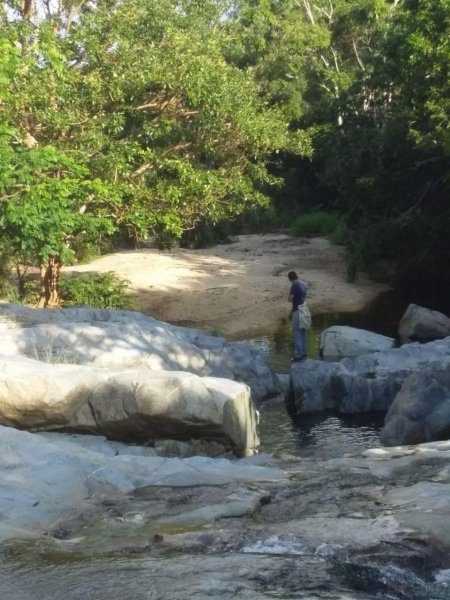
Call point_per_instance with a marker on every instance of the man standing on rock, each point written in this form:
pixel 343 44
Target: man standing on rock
pixel 297 295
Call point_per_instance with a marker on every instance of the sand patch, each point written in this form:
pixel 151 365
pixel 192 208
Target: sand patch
pixel 238 289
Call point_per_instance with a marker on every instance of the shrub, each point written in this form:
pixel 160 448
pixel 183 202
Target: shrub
pixel 340 234
pixel 8 290
pixel 314 223
pixel 206 234
pixel 98 290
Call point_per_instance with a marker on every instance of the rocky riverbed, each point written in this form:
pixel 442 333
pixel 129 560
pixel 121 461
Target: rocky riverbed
pixel 86 516
pixel 373 525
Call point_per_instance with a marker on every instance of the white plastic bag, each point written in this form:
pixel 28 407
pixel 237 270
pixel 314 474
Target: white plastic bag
pixel 304 317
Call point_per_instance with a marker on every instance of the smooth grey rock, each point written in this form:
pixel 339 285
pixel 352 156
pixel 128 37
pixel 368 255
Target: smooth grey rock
pixel 363 383
pixel 99 444
pixel 420 324
pixel 284 380
pixel 235 507
pixel 134 405
pixel 312 386
pixel 355 394
pixel 126 339
pixel 44 480
pixel 341 341
pixel 421 410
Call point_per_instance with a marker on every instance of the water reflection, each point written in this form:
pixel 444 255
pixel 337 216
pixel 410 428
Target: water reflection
pixel 317 435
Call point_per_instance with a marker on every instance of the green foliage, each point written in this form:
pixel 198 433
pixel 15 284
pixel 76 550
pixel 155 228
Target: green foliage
pixel 8 289
pixel 98 290
pixel 207 234
pixel 315 223
pixel 369 81
pixel 340 235
pixel 127 116
pixel 143 118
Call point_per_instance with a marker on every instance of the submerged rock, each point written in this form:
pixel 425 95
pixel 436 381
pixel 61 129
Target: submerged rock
pixel 341 341
pixel 420 324
pixel 376 522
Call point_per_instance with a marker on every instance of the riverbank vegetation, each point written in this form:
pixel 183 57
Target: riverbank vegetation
pixel 121 121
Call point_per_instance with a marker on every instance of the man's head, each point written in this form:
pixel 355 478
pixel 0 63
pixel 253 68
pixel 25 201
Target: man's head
pixel 292 276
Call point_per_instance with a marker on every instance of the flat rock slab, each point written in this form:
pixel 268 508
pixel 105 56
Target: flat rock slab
pixel 46 481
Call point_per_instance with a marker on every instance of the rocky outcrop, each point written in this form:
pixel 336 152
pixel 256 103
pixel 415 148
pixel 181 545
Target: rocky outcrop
pixel 341 341
pixel 420 324
pixel 129 405
pixel 421 410
pixel 125 339
pixel 365 383
pixel 48 481
pixel 371 521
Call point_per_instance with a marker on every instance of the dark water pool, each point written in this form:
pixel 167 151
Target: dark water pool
pixel 319 435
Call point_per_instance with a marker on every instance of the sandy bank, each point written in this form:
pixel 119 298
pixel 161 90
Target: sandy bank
pixel 240 288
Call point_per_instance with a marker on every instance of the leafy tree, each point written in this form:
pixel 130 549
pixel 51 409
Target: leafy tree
pixel 126 116
pixel 369 80
pixel 389 160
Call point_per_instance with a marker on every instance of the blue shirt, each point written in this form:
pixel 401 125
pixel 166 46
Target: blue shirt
pixel 298 293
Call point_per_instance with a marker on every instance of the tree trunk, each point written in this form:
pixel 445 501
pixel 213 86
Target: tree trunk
pixel 49 278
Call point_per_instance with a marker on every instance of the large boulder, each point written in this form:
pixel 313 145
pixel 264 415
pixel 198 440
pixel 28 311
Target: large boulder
pixel 421 410
pixel 420 324
pixel 364 383
pixel 341 341
pixel 125 339
pixel 129 405
pixel 311 386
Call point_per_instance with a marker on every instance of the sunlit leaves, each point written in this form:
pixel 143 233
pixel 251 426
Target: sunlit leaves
pixel 130 116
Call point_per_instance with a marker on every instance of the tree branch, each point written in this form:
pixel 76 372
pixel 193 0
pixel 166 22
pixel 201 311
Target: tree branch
pixel 355 49
pixel 307 6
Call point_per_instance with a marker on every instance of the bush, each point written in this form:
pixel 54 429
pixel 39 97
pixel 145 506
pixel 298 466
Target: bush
pixel 98 290
pixel 206 234
pixel 8 290
pixel 315 223
pixel 340 234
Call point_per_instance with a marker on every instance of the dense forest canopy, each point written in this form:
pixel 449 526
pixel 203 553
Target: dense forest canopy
pixel 140 118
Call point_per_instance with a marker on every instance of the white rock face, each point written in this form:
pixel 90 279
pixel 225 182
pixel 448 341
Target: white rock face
pixel 125 339
pixel 420 324
pixel 130 405
pixel 341 342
